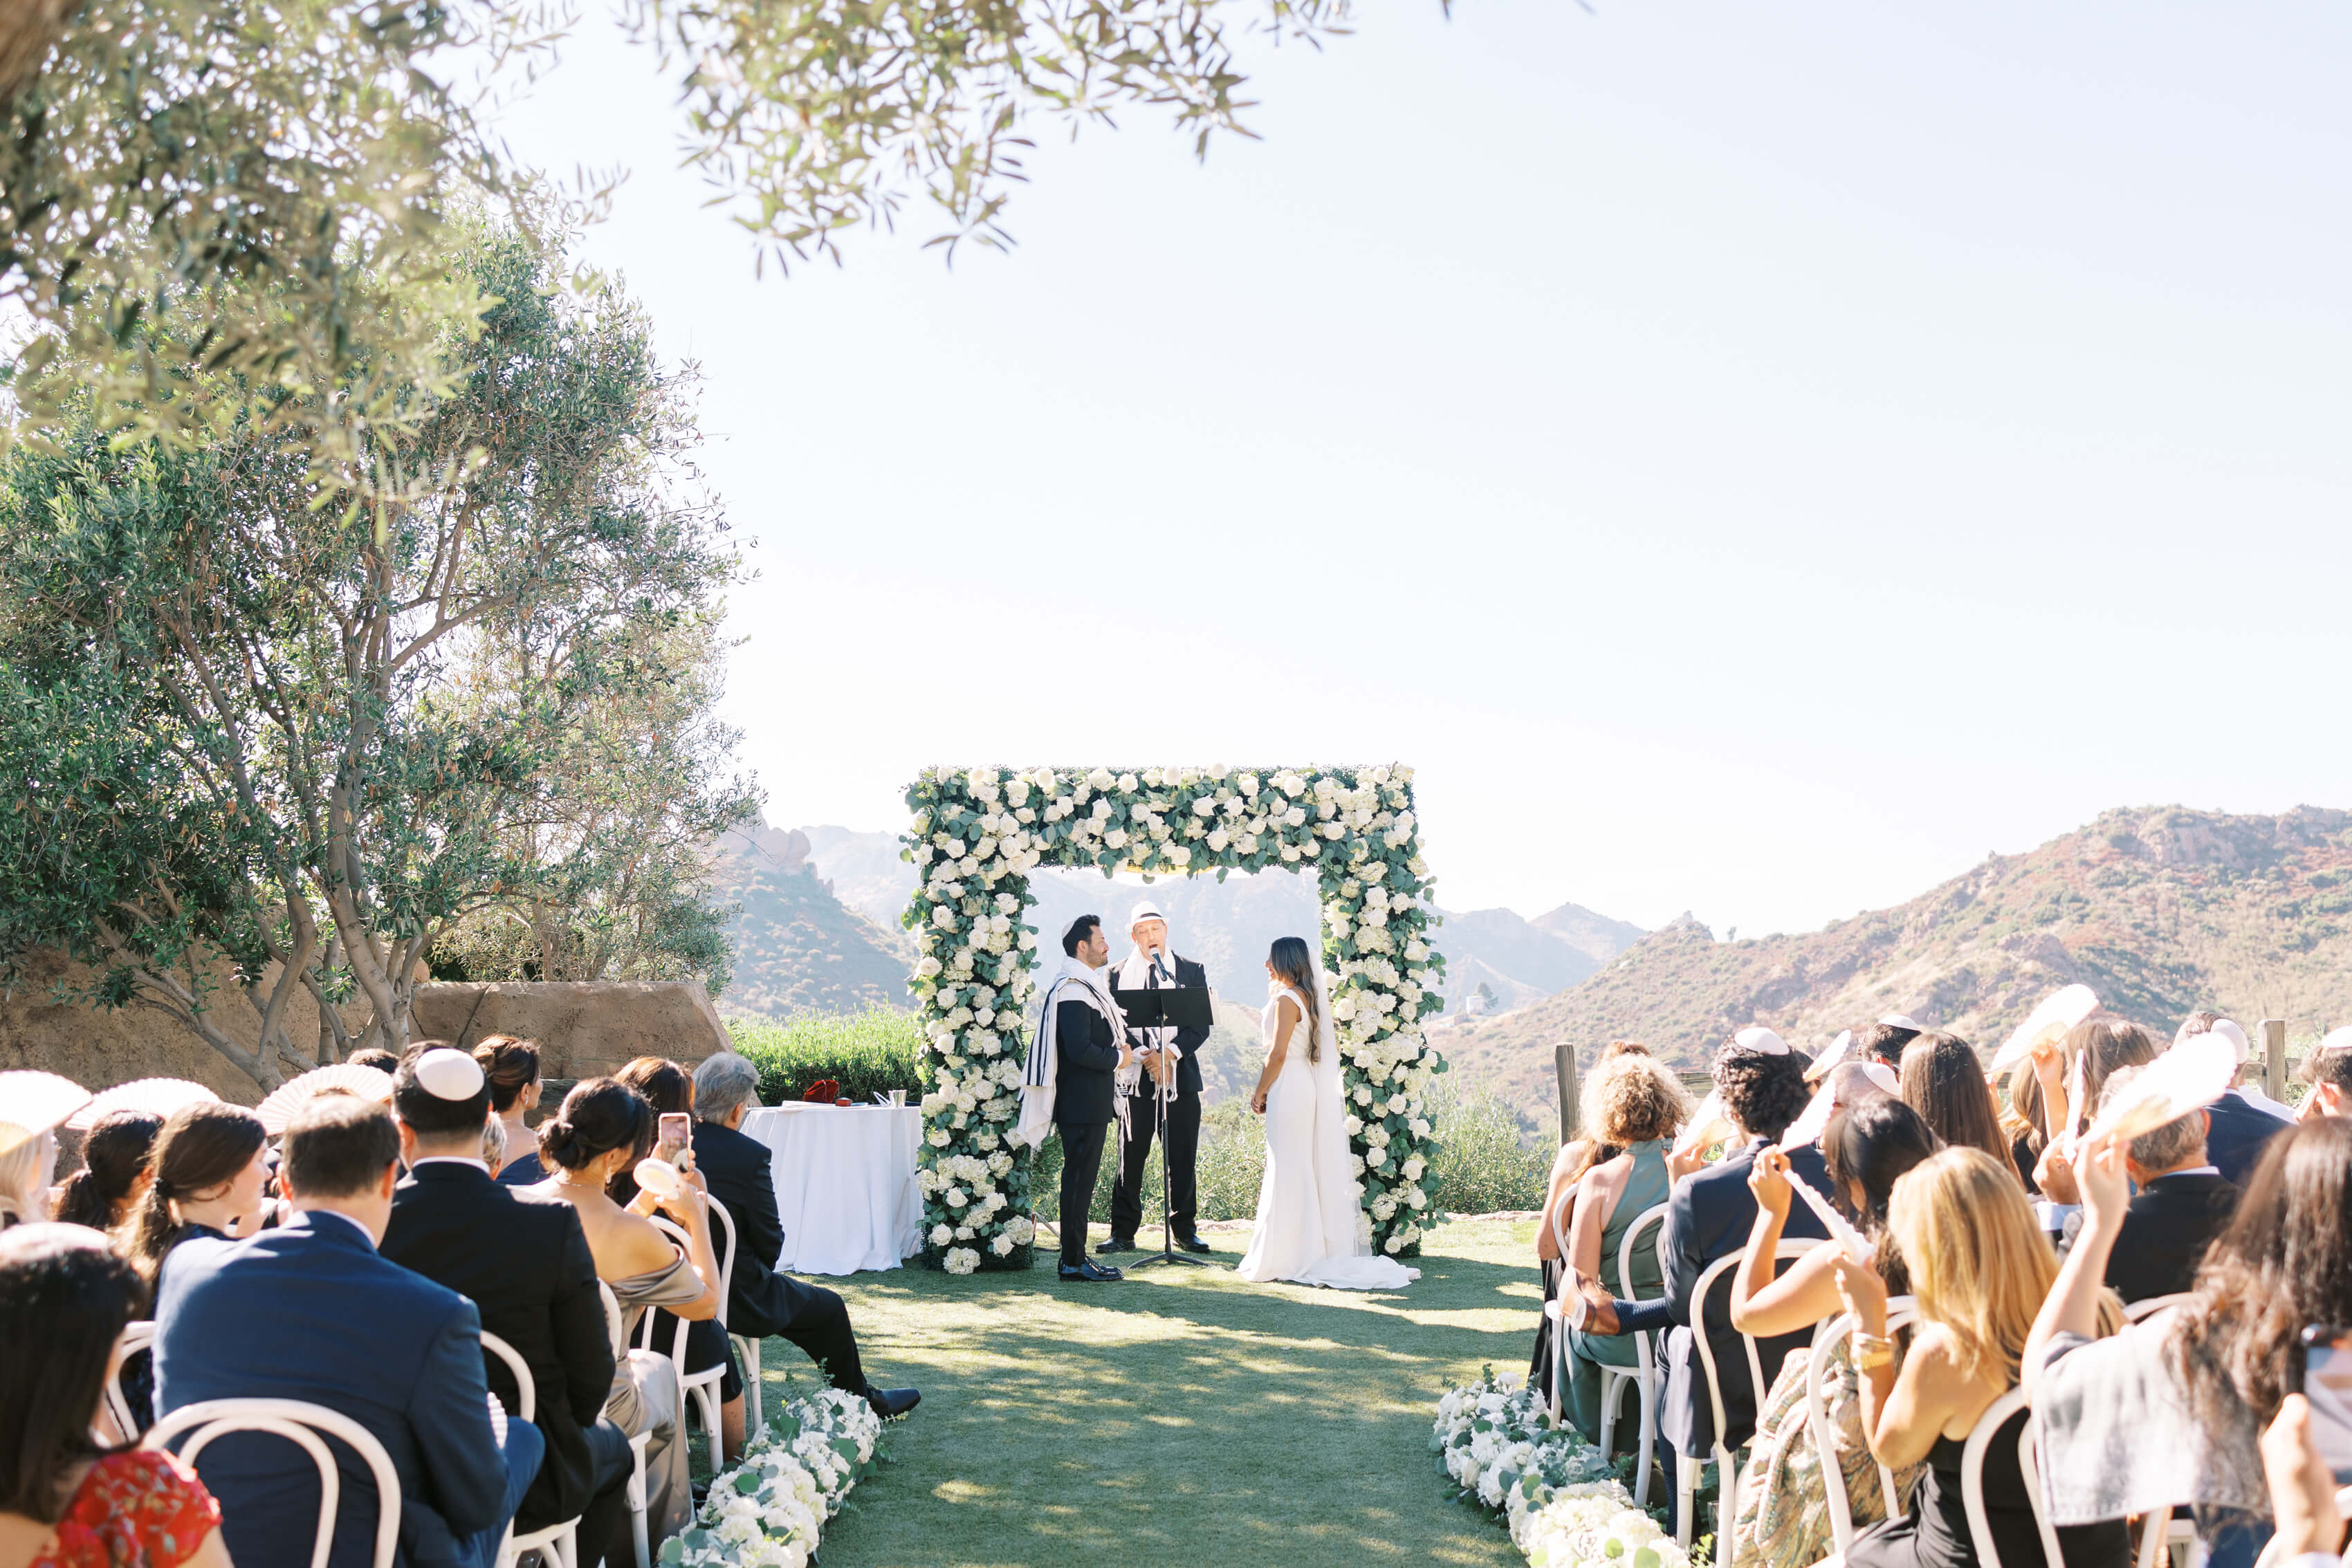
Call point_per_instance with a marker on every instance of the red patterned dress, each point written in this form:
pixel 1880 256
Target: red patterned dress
pixel 134 1510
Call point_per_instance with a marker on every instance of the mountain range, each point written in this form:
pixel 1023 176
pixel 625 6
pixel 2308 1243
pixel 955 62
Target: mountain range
pixel 2159 910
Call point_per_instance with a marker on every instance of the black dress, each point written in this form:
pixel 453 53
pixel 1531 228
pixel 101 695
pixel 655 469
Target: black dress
pixel 1935 1533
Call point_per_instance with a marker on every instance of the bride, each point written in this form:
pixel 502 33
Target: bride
pixel 1311 1226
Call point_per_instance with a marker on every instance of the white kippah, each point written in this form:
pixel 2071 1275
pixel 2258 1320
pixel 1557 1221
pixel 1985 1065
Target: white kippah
pixel 1761 1041
pixel 1147 910
pixel 447 1074
pixel 1902 1021
pixel 1878 1072
pixel 2337 1039
pixel 2228 1030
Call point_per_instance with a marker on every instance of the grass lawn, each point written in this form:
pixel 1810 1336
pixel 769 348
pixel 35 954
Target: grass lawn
pixel 1180 1416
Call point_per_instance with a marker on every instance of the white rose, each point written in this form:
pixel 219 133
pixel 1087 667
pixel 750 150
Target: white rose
pixel 940 1234
pixel 938 1137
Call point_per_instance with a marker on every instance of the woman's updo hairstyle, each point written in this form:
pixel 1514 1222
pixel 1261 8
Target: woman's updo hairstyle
pixel 599 1115
pixel 112 1155
pixel 512 1065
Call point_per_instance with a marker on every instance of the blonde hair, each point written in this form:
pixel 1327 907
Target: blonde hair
pixel 25 1173
pixel 1632 1098
pixel 1979 1264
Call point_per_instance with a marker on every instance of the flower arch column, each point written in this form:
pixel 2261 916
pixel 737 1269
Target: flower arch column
pixel 977 834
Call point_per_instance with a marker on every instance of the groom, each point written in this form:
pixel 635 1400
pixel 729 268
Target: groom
pixel 1079 1047
pixel 1170 1081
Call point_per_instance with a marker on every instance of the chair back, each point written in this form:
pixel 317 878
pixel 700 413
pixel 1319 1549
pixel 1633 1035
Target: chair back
pixel 615 1325
pixel 1832 1334
pixel 2134 1311
pixel 1972 1463
pixel 1645 1352
pixel 301 1424
pixel 135 1338
pixel 1790 1249
pixel 526 1390
pixel 726 1254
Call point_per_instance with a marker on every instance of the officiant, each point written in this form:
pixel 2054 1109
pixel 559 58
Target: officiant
pixel 1162 1090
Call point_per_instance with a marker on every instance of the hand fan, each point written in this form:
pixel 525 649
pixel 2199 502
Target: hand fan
pixel 33 1102
pixel 1857 1246
pixel 2190 1077
pixel 1707 1125
pixel 1839 1050
pixel 1843 1086
pixel 659 1177
pixel 335 1078
pixel 157 1096
pixel 2051 1017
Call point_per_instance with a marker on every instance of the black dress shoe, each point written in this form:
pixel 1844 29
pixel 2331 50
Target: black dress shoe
pixel 1117 1244
pixel 891 1402
pixel 1090 1270
pixel 1192 1244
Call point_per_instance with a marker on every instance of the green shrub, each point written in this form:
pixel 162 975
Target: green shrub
pixel 866 1053
pixel 1482 1164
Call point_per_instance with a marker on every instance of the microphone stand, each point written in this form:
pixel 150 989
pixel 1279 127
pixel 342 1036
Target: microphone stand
pixel 1163 1097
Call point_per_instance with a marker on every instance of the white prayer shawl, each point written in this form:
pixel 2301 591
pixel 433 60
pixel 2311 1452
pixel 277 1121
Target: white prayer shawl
pixel 1134 974
pixel 1038 1086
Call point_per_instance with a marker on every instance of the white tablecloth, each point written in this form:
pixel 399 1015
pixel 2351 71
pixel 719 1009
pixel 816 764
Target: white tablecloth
pixel 845 1184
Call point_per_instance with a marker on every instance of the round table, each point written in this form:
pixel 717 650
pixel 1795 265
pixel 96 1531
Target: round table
pixel 845 1181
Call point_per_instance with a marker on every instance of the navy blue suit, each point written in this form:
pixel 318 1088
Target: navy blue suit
pixel 1709 1217
pixel 2237 1135
pixel 308 1310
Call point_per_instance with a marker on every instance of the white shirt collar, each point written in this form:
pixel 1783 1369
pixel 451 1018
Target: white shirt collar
pixel 2189 1170
pixel 481 1165
pixel 317 1214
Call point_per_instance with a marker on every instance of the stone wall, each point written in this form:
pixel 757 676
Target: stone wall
pixel 584 1028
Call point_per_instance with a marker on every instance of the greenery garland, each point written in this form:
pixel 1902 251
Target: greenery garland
pixel 978 834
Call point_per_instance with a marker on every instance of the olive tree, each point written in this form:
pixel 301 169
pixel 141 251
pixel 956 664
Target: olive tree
pixel 328 742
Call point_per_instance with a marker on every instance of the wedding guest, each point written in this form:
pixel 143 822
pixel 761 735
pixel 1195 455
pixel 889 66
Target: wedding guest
pixel 1978 1268
pixel 1762 1083
pixel 761 1303
pixel 310 1310
pixel 2102 1047
pixel 2182 1204
pixel 523 1258
pixel 375 1056
pixel 2302 1490
pixel 1944 1081
pixel 512 1067
pixel 2168 1411
pixel 2328 1071
pixel 1575 1157
pixel 2206 1022
pixel 1634 1105
pixel 1783 1520
pixel 1886 1040
pixel 114 1170
pixel 602 1130
pixel 209 1167
pixel 65 1501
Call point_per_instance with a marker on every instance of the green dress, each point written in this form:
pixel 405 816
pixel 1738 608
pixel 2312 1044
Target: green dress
pixel 1646 1187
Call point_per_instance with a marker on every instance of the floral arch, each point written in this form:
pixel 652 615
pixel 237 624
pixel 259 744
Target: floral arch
pixel 977 834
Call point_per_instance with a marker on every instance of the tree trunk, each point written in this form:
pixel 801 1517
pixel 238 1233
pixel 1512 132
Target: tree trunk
pixel 29 29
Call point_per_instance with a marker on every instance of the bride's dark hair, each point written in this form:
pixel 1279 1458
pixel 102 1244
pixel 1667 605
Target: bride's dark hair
pixel 1292 962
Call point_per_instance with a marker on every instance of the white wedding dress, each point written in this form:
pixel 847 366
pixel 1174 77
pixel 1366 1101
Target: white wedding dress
pixel 1311 1227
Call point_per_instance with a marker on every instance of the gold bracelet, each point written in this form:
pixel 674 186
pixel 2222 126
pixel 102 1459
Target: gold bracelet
pixel 1872 1351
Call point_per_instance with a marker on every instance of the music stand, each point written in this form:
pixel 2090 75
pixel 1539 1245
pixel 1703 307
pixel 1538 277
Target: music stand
pixel 1173 1007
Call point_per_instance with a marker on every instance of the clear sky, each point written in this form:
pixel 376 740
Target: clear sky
pixel 1751 459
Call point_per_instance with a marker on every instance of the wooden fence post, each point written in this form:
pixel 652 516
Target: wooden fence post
pixel 2274 1058
pixel 1563 1066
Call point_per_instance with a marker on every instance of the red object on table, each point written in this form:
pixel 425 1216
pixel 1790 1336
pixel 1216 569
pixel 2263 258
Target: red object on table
pixel 845 1102
pixel 821 1090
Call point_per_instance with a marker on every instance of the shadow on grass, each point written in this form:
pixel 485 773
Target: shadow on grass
pixel 1182 1417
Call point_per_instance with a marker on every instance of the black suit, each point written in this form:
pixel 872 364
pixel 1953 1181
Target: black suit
pixel 2236 1134
pixel 2165 1232
pixel 524 1260
pixel 1183 1126
pixel 1086 1056
pixel 761 1303
pixel 1709 1216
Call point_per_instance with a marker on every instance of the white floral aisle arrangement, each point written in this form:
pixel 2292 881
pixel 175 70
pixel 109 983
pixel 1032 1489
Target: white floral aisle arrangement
pixel 978 834
pixel 1595 1525
pixel 771 1508
pixel 1501 1446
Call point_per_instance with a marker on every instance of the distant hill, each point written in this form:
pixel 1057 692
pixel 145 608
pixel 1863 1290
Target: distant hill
pixel 798 948
pixel 2161 911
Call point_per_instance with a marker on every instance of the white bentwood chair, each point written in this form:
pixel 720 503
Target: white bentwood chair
pixel 564 1538
pixel 1901 1312
pixel 136 1336
pixel 700 1387
pixel 639 1538
pixel 301 1424
pixel 2159 1531
pixel 1972 1463
pixel 1727 1462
